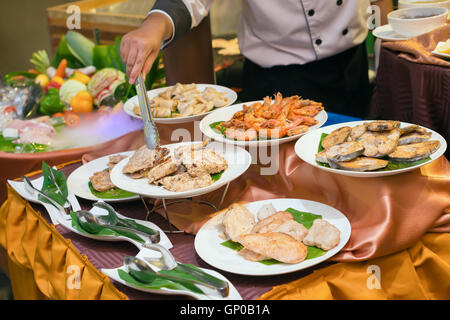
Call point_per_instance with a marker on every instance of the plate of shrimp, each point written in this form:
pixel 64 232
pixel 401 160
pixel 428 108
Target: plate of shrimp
pixel 266 122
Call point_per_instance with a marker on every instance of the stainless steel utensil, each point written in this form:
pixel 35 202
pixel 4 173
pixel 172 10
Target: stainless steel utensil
pixel 143 272
pixel 168 262
pixel 32 190
pixel 88 221
pixel 113 218
pixel 150 131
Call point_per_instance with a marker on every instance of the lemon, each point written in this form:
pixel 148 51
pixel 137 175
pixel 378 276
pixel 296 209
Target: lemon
pixel 444 47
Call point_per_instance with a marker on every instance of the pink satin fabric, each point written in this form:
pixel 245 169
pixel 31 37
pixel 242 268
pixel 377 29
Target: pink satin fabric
pixel 387 214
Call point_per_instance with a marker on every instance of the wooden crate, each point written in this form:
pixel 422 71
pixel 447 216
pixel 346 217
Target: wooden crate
pixel 109 24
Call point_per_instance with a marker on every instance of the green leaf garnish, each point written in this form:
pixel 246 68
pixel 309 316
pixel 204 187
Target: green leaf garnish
pixel 115 193
pixel 50 189
pixel 216 176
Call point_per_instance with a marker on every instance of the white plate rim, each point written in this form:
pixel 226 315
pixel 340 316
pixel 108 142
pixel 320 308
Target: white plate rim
pixel 122 181
pixel 82 191
pixel 213 117
pixel 236 265
pixel 440 54
pixel 302 143
pixel 387 27
pixel 129 104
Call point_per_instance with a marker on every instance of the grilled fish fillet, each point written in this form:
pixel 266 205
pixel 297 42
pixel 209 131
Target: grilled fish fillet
pixel 382 125
pixel 115 159
pixel 294 229
pixel 203 161
pixel 356 132
pixel 163 169
pixel 323 235
pixel 251 255
pixel 336 137
pixel 101 181
pixel 184 182
pixel 322 156
pixel 377 145
pixel 275 245
pixel 144 158
pixel 272 222
pixel 415 151
pixel 344 151
pixel 362 164
pixel 237 220
pixel 412 128
pixel 414 137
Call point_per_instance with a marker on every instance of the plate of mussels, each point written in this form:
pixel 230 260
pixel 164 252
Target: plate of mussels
pixel 371 148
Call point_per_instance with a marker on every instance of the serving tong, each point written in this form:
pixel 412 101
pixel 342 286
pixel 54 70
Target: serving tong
pixel 150 131
pixel 93 223
pixel 143 272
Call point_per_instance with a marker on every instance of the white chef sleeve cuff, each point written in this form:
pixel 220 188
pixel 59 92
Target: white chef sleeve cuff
pixel 165 43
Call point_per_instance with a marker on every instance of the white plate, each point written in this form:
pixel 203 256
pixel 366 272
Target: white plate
pixel 306 148
pixel 227 114
pixel 130 103
pixel 113 274
pixel 387 33
pixel 238 162
pixel 440 54
pixel 78 180
pixel 208 241
pixel 55 215
pixel 164 240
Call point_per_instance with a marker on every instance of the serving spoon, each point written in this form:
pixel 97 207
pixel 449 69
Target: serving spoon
pixel 94 224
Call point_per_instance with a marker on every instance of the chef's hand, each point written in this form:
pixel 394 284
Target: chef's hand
pixel 139 48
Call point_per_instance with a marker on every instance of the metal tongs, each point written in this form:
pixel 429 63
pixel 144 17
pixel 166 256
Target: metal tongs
pixel 168 262
pixel 150 131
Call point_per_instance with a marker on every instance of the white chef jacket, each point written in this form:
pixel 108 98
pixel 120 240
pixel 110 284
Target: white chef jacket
pixel 284 32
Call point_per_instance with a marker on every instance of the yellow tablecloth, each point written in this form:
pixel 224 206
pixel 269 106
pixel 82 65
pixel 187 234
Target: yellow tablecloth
pixel 42 265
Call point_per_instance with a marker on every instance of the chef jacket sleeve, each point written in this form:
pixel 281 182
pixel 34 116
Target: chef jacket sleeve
pixel 184 15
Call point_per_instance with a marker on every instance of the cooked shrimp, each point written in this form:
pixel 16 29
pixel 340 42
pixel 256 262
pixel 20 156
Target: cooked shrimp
pixel 241 135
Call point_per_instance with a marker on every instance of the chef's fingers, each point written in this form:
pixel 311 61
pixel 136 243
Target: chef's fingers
pixel 138 64
pixel 149 62
pixel 131 60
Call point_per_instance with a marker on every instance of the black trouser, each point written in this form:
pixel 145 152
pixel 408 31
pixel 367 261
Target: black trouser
pixel 340 82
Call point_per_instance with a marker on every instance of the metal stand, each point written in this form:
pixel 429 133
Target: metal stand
pixel 165 204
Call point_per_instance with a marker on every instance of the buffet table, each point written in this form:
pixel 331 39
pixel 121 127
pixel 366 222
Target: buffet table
pixel 399 223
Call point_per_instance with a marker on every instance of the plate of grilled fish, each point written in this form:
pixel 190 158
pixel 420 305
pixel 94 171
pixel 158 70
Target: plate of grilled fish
pixel 270 121
pixel 271 237
pixel 180 170
pixel 371 148
pixel 92 180
pixel 183 103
